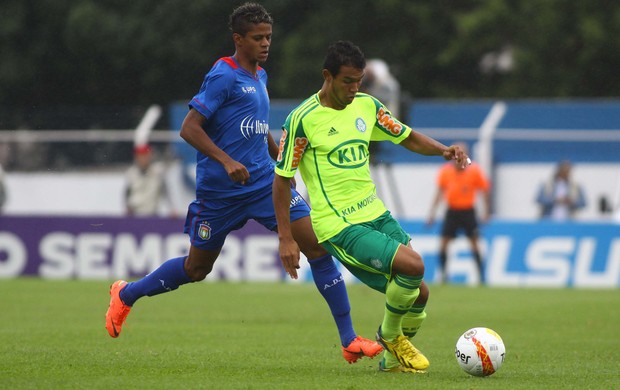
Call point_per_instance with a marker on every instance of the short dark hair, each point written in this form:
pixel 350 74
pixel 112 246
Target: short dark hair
pixel 245 15
pixel 343 53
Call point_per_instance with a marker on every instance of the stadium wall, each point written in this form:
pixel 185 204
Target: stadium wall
pixel 517 142
pixel 518 149
pixel 407 189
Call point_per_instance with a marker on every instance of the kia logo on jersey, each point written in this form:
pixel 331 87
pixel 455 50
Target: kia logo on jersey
pixel 349 154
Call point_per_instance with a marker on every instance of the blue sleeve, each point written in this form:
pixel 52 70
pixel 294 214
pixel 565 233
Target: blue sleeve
pixel 214 91
pixel 543 198
pixel 581 198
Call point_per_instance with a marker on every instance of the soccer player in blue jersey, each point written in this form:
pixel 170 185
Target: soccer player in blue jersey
pixel 227 124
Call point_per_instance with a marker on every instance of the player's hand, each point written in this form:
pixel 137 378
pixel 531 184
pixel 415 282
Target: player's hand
pixel 289 255
pixel 454 152
pixel 237 171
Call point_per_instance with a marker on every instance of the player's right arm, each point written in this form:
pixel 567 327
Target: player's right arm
pixel 289 250
pixel 193 133
pixel 286 165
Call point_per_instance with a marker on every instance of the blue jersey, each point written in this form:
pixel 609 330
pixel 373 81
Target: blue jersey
pixel 236 105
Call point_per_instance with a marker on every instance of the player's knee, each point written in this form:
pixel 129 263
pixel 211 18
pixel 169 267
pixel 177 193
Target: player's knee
pixel 411 267
pixel 309 246
pixel 196 274
pixel 416 264
pixel 408 262
pixel 422 299
pixel 418 269
pixel 313 252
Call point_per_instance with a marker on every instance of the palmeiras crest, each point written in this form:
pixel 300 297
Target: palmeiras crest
pixel 360 125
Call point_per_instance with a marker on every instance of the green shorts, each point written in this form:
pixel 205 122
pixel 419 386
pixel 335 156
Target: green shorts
pixel 368 249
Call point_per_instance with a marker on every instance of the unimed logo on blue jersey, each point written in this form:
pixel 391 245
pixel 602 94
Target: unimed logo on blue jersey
pixel 349 154
pixel 250 126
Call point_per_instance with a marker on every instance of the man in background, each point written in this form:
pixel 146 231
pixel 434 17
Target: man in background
pixel 2 189
pixel 458 185
pixel 560 197
pixel 380 83
pixel 146 185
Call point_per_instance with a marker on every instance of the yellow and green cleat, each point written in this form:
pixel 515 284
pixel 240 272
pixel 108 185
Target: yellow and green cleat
pixel 405 353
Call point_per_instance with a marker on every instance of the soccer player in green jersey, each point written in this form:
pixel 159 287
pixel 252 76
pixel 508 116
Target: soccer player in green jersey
pixel 326 137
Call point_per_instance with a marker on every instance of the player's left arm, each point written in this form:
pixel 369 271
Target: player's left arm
pixel 390 128
pixel 425 145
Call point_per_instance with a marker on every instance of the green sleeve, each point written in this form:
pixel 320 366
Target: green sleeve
pixel 387 127
pixel 292 145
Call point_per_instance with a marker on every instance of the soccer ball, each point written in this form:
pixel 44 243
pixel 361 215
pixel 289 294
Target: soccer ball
pixel 480 351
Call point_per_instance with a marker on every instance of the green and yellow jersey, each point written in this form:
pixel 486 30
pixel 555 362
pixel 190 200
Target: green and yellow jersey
pixel 330 149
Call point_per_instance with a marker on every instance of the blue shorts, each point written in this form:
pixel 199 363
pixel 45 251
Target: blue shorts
pixel 209 222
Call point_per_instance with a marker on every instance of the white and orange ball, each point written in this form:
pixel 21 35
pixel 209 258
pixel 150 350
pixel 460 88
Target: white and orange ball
pixel 480 351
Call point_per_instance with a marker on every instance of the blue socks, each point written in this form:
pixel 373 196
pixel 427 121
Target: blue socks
pixel 331 285
pixel 169 276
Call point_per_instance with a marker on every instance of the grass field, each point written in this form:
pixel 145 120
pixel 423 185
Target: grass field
pixel 281 336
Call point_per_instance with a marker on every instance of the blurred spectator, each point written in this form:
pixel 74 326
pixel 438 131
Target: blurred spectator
pixel 146 185
pixel 458 186
pixel 380 83
pixel 560 197
pixel 2 189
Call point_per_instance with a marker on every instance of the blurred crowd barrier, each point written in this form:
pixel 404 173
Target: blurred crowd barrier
pixel 518 144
